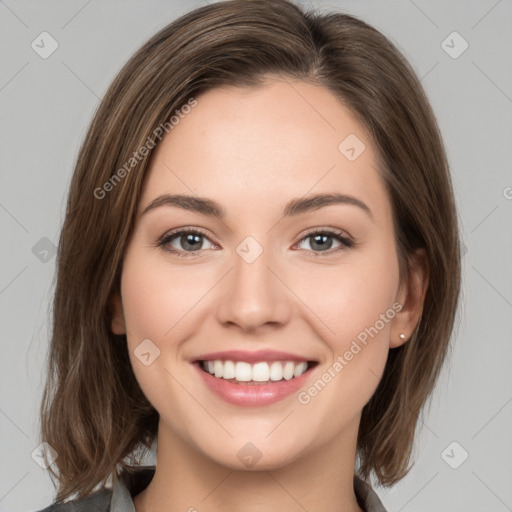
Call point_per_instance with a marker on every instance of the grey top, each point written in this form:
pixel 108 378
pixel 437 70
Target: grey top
pixel 120 497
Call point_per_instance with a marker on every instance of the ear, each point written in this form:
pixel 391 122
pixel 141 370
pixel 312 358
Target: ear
pixel 117 315
pixel 411 295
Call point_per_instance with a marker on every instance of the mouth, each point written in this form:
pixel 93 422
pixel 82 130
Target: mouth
pixel 256 373
pixel 253 379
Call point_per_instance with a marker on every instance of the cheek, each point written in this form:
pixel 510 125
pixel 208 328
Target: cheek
pixel 145 312
pixel 348 298
pixel 157 297
pixel 165 304
pixel 352 306
pixel 351 309
pixel 156 300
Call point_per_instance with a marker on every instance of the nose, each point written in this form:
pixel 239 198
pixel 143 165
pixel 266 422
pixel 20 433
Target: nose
pixel 253 296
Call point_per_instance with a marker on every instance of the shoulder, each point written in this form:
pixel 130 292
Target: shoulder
pixel 118 498
pixel 367 498
pixel 96 502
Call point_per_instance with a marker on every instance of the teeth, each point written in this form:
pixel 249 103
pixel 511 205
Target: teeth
pixel 300 369
pixel 276 371
pixel 217 368
pixel 228 371
pixel 288 370
pixel 242 372
pixel 258 372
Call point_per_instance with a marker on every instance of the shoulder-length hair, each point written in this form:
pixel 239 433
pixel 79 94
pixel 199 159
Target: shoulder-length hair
pixel 93 412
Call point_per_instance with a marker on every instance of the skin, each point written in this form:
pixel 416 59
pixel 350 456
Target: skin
pixel 253 150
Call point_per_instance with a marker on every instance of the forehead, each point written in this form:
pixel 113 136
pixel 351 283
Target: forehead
pixel 265 144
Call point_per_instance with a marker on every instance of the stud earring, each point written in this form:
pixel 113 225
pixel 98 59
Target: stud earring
pixel 402 336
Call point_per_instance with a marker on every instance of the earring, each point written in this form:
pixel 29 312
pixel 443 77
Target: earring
pixel 402 336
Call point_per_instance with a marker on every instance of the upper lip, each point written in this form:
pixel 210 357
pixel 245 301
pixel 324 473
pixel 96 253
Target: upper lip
pixel 251 357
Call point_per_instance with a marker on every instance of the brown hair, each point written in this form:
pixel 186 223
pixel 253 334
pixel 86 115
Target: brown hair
pixel 93 412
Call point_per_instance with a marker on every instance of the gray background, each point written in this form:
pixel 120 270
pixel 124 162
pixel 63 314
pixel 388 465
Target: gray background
pixel 46 105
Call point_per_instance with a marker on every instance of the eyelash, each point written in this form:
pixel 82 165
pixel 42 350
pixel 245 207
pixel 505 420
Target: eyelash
pixel 346 243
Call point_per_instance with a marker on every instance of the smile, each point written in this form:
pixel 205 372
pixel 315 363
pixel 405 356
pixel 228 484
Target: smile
pixel 261 372
pixel 253 379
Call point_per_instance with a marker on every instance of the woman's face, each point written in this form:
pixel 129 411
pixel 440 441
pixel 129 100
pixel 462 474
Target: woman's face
pixel 276 280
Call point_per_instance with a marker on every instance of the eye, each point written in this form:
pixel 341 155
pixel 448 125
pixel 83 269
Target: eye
pixel 188 242
pixel 184 241
pixel 323 241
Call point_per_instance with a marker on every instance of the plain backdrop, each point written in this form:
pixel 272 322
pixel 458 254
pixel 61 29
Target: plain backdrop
pixel 463 450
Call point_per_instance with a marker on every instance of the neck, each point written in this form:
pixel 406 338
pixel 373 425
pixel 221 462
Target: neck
pixel 186 480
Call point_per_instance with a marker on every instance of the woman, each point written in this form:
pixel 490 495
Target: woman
pixel 259 270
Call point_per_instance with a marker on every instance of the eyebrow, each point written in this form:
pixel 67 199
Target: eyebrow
pixel 295 207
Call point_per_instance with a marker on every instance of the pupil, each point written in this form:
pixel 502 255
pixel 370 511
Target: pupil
pixel 321 242
pixel 191 241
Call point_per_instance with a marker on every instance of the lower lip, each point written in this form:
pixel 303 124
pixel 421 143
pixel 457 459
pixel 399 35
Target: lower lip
pixel 252 395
